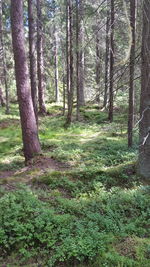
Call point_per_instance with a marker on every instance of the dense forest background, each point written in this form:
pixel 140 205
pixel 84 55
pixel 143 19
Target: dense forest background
pixel 74 133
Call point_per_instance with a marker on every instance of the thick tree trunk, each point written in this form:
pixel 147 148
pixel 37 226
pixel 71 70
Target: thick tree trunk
pixel 111 95
pixel 106 57
pixel 69 59
pixel 144 152
pixel 40 60
pixel 32 56
pixel 132 68
pixel 80 55
pixel 3 54
pixel 31 144
pixel 57 98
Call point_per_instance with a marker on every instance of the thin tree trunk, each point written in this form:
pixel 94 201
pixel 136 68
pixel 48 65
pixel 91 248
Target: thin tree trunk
pixel 2 102
pixel 144 151
pixel 32 56
pixel 132 69
pixel 57 98
pixel 111 96
pixel 64 77
pixel 106 58
pixel 40 60
pixel 80 55
pixel 31 145
pixel 69 59
pixel 77 58
pixel 64 94
pixel 3 53
pixel 98 62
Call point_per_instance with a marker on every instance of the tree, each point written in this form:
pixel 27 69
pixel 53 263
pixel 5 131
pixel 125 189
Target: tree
pixel 144 126
pixel 32 56
pixel 69 58
pixel 106 57
pixel 40 60
pixel 80 55
pixel 2 102
pixel 57 97
pixel 98 59
pixel 31 145
pixel 3 57
pixel 111 94
pixel 132 69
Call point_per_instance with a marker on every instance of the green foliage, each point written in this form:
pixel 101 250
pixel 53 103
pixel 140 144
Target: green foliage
pixel 90 214
pixel 81 228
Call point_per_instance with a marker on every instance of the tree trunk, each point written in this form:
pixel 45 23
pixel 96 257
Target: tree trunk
pixel 132 68
pixel 57 99
pixel 32 56
pixel 69 59
pixel 31 145
pixel 111 96
pixel 98 61
pixel 40 60
pixel 2 102
pixel 144 152
pixel 3 54
pixel 106 57
pixel 80 55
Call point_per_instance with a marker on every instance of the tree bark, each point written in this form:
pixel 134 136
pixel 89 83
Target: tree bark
pixel 69 59
pixel 3 53
pixel 2 102
pixel 107 57
pixel 31 145
pixel 132 69
pixel 32 56
pixel 80 55
pixel 144 151
pixel 111 95
pixel 57 97
pixel 40 60
pixel 98 62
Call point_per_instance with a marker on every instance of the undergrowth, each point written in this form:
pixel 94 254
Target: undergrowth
pixel 95 213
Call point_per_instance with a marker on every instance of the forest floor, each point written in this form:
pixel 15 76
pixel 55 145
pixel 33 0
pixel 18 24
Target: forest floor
pixel 81 202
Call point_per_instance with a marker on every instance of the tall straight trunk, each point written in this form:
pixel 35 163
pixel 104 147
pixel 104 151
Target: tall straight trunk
pixel 64 77
pixel 111 95
pixel 57 98
pixel 40 60
pixel 77 58
pixel 31 145
pixel 132 69
pixel 69 58
pixel 3 53
pixel 98 62
pixel 32 56
pixel 64 94
pixel 144 151
pixel 80 55
pixel 106 57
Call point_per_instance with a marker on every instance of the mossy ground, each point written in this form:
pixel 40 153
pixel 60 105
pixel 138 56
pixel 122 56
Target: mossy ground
pixel 93 213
